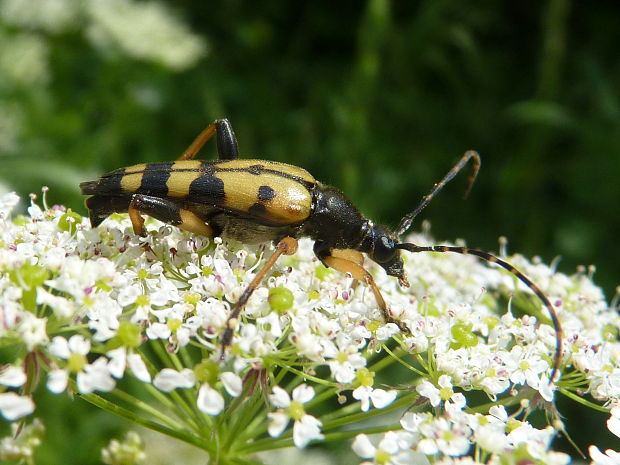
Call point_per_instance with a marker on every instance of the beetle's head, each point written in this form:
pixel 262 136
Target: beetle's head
pixel 381 245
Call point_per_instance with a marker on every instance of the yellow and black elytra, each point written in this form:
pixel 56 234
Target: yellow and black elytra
pixel 256 200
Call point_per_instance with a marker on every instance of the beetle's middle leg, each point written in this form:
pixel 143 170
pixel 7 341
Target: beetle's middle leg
pixel 226 141
pixel 166 211
pixel 286 246
pixel 350 261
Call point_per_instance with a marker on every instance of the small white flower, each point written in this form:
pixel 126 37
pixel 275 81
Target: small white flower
pixel 444 393
pixel 129 450
pixel 306 427
pixel 19 446
pixel 346 360
pixel 441 435
pixel 143 30
pixel 526 367
pixel 32 330
pixel 90 377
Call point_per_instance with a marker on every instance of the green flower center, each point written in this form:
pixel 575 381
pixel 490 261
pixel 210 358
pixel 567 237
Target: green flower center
pixel 296 410
pixel 76 362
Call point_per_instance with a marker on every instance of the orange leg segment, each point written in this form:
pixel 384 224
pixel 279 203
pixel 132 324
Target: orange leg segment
pixel 358 272
pixel 287 246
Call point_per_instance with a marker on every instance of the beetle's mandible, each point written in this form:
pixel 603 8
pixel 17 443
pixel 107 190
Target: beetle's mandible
pixel 256 200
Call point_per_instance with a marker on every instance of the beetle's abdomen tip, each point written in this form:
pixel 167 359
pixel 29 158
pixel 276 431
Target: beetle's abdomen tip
pixel 88 187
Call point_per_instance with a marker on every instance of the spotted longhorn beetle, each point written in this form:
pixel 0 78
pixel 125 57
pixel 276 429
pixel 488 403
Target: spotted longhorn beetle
pixel 255 201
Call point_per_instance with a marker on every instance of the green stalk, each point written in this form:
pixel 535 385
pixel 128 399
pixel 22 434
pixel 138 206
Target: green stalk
pixel 115 409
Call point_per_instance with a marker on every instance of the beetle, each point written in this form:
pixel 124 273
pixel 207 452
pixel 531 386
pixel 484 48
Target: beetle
pixel 255 201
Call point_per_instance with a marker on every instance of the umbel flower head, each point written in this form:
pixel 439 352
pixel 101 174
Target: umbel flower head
pixel 83 309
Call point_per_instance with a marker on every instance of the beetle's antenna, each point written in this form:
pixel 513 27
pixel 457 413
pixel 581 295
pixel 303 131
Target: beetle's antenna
pixel 523 278
pixel 405 223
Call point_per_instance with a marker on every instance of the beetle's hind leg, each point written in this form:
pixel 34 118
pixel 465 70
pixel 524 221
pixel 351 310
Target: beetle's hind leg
pixel 351 261
pixel 166 211
pixel 286 246
pixel 226 141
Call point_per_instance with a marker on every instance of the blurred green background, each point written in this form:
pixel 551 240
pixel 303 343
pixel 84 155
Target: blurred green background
pixel 379 98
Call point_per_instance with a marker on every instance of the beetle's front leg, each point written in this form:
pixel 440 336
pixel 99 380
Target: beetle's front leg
pixel 287 246
pixel 226 141
pixel 166 211
pixel 351 261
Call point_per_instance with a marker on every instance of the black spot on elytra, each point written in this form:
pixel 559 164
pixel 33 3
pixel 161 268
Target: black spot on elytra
pixel 155 178
pixel 258 210
pixel 265 193
pixel 207 189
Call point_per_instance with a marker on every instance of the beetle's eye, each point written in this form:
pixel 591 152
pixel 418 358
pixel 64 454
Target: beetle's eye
pixel 384 249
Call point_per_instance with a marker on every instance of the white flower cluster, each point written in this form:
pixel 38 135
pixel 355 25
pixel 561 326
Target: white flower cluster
pixel 145 30
pixel 96 306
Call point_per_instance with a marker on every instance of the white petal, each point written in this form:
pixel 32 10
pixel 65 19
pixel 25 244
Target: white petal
pixel 389 443
pixel 458 401
pixel 12 376
pixel 610 457
pixel 303 393
pixel 57 381
pixel 79 345
pixel 545 389
pixel 363 394
pixel 158 331
pixel 59 347
pixel 342 372
pixel 168 379
pixel 363 447
pixel 412 421
pixel 381 398
pixel 232 383
pixel 138 368
pixel 14 406
pixel 613 424
pixel 118 361
pixel 427 447
pixel 279 397
pixel 209 400
pixel 306 430
pixel 499 412
pixel 428 390
pixel 445 381
pixel 278 423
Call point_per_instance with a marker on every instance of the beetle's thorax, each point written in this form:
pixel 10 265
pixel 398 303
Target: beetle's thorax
pixel 335 221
